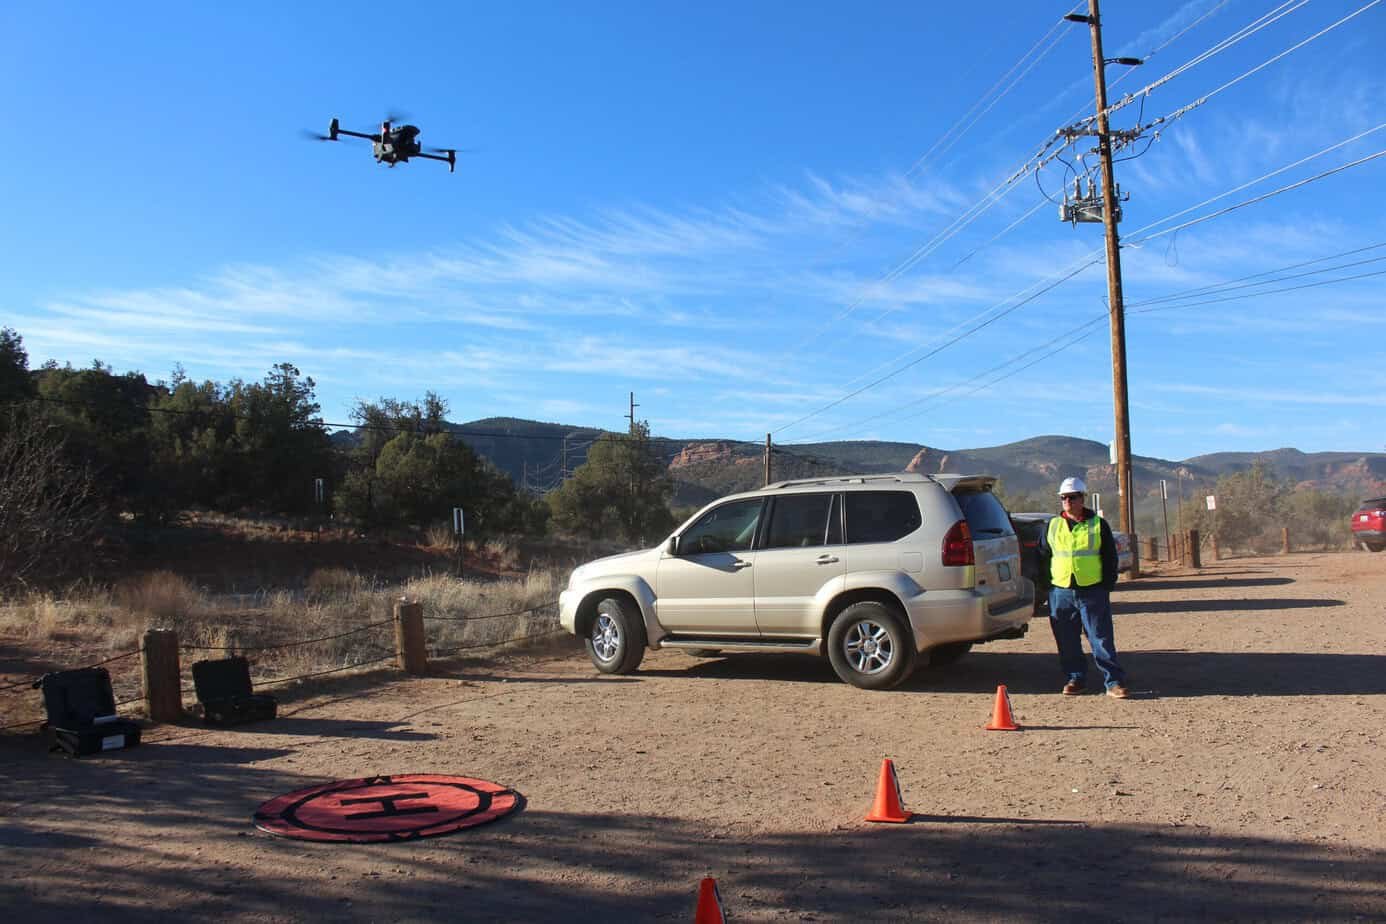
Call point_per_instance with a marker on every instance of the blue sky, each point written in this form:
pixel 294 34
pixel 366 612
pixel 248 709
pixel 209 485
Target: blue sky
pixel 743 213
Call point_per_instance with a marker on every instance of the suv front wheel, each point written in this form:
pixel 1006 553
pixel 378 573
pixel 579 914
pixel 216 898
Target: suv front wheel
pixel 616 640
pixel 869 646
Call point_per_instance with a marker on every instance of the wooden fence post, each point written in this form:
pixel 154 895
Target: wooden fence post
pixel 1152 549
pixel 163 690
pixel 410 647
pixel 1284 540
pixel 1195 559
pixel 1213 546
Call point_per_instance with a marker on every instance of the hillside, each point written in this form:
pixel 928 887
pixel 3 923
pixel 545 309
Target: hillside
pixel 534 454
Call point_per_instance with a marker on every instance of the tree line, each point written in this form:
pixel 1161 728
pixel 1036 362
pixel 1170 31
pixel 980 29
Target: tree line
pixel 86 450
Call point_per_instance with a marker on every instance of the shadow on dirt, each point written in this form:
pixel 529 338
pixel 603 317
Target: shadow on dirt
pixel 333 728
pixel 1153 673
pixel 628 867
pixel 1250 604
pixel 1200 583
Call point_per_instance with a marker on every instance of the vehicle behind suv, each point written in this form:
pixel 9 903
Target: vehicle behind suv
pixel 1369 524
pixel 871 570
pixel 1029 527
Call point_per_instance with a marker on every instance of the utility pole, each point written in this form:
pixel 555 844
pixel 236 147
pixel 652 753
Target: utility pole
pixel 1115 306
pixel 631 415
pixel 767 458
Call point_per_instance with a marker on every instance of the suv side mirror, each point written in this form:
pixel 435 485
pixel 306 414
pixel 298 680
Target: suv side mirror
pixel 672 547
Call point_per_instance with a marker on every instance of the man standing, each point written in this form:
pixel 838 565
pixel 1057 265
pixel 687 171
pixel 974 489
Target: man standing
pixel 1082 561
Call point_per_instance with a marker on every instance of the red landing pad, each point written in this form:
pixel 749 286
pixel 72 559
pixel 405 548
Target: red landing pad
pixel 386 808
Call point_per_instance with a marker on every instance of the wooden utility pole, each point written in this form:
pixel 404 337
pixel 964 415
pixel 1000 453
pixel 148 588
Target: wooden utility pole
pixel 767 458
pixel 1115 306
pixel 631 415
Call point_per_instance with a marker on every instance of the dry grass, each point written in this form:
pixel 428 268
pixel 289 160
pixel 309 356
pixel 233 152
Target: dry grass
pixel 159 598
pixel 440 537
pixel 91 623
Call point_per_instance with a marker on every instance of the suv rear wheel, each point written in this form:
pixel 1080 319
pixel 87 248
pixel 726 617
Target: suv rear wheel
pixel 616 640
pixel 869 646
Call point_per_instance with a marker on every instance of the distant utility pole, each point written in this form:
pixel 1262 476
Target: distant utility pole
pixel 631 415
pixel 767 458
pixel 1111 213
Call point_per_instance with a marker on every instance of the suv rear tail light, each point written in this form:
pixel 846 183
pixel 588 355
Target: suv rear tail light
pixel 957 546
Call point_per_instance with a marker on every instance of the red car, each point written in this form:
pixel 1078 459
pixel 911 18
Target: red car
pixel 1369 524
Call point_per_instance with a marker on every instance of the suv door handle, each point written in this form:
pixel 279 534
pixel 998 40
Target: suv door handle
pixel 739 564
pixel 826 559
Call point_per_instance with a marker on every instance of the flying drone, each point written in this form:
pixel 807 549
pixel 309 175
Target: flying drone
pixel 393 144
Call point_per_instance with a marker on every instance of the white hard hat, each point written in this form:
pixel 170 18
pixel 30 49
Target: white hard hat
pixel 1072 486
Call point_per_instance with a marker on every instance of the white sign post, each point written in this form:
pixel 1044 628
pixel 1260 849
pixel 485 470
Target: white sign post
pixel 1212 502
pixel 459 527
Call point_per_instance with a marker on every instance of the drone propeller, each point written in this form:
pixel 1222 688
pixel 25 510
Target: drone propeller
pixel 314 136
pixel 452 150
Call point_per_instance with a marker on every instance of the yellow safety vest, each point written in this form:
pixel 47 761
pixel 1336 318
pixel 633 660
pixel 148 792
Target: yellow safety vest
pixel 1077 551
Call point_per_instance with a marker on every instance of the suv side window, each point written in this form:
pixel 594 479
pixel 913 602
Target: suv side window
pixel 881 516
pixel 986 518
pixel 798 521
pixel 728 528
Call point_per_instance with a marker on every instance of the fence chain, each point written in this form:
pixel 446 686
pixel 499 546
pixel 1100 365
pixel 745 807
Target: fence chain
pixel 281 645
pixel 537 606
pixel 31 682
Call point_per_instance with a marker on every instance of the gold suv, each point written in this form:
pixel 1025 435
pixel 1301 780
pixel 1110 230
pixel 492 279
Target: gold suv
pixel 871 570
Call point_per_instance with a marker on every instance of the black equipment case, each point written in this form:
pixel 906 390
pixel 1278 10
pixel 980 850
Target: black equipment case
pixel 81 713
pixel 223 689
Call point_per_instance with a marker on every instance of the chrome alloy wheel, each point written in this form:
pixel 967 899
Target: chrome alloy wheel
pixel 606 637
pixel 868 647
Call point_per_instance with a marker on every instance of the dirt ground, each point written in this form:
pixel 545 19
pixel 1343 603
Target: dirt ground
pixel 1246 779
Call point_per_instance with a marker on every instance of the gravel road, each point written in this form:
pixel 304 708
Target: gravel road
pixel 1244 779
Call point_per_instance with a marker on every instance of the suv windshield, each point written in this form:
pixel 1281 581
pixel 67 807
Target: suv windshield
pixel 985 515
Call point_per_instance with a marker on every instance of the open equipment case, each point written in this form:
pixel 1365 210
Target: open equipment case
pixel 81 711
pixel 224 690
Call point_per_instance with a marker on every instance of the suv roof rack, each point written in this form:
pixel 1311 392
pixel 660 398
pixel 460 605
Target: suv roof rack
pixel 899 477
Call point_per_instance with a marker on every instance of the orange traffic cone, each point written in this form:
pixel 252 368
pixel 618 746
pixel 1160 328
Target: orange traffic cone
pixel 709 904
pixel 888 807
pixel 1001 719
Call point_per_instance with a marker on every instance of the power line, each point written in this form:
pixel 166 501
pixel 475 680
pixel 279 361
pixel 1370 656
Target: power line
pixel 1058 25
pixel 1152 53
pixel 1179 113
pixel 1130 241
pixel 1245 32
pixel 1234 298
pixel 1215 289
pixel 966 333
pixel 1228 286
pixel 1261 198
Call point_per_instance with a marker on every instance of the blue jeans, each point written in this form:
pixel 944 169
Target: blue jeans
pixel 1074 611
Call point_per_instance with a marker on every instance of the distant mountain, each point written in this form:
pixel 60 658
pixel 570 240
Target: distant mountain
pixel 535 454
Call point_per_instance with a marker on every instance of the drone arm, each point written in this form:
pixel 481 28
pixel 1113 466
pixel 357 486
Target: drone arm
pixel 343 131
pixel 450 159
